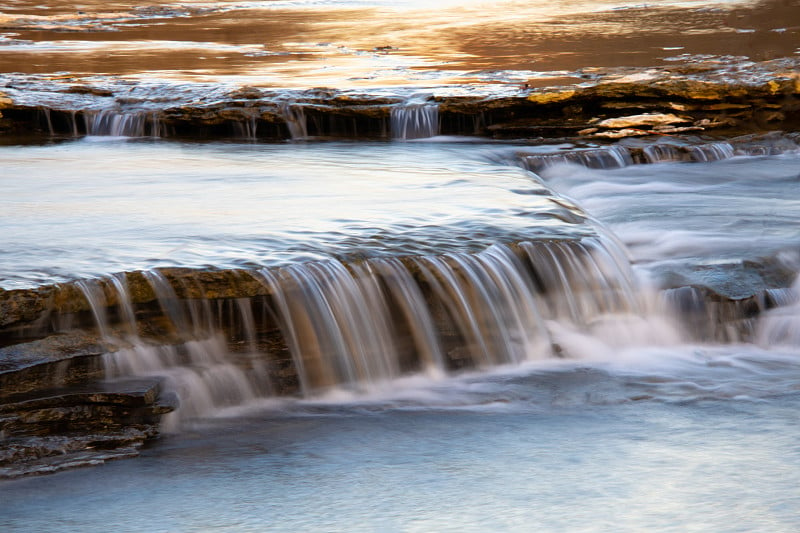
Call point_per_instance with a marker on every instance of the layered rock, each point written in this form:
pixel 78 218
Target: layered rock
pixel 609 104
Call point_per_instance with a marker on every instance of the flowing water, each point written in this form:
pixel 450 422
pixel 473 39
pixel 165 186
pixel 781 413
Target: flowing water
pixel 475 335
pixel 448 381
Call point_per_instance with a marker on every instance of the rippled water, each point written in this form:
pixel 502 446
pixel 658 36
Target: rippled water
pixel 397 42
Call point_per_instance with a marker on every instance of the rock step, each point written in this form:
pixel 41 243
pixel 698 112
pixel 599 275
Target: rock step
pixel 53 429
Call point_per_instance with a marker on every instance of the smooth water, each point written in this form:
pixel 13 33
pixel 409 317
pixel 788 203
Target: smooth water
pixel 559 459
pixel 639 428
pixel 102 205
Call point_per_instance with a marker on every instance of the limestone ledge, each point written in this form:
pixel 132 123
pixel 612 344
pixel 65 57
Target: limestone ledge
pixel 56 411
pixel 609 103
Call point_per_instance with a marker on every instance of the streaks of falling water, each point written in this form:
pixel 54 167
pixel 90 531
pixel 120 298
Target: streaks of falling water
pixel 247 128
pixel 198 369
pixel 296 121
pixel 363 324
pixel 704 153
pixel 45 112
pixel 112 122
pixel 781 326
pixel 354 325
pixel 414 121
pixel 599 158
pixel 659 153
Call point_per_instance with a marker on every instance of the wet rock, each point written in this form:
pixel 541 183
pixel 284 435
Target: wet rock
pixel 56 360
pixel 671 100
pixel 88 89
pixel 647 120
pixel 247 93
pixel 54 429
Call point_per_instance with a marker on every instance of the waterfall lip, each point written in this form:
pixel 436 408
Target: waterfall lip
pixel 660 105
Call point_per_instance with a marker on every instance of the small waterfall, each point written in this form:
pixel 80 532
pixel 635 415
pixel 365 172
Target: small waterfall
pixel 73 120
pixel 331 325
pixel 704 153
pixel 112 122
pixel 95 296
pixel 659 153
pixel 358 325
pixel 198 368
pixel 780 326
pixel 45 112
pixel 247 128
pixel 601 158
pixel 414 121
pixel 296 121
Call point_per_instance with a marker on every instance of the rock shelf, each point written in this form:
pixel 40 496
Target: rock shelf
pixel 605 104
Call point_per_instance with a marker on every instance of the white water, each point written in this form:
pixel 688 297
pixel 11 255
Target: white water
pixel 679 219
pixel 414 120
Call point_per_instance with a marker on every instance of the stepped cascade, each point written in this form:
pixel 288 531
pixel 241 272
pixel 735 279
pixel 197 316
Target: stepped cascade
pixel 356 325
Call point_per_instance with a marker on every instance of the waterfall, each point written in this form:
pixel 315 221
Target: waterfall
pixel 703 153
pixel 357 325
pixel 45 112
pixel 619 156
pixel 414 121
pixel 659 153
pixel 247 128
pixel 197 365
pixel 780 326
pixel 601 158
pixel 112 122
pixel 296 121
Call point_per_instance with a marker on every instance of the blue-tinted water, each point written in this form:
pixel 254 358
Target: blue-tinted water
pixel 641 466
pixel 104 205
pixel 636 431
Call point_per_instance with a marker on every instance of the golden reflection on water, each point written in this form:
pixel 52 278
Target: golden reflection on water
pixel 382 43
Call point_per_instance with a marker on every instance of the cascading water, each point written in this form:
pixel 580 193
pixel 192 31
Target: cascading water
pixel 197 365
pixel 611 157
pixel 658 153
pixel 112 122
pixel 780 326
pixel 356 326
pixel 414 120
pixel 296 121
pixel 704 153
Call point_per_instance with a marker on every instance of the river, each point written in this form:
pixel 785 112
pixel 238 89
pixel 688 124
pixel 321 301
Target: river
pixel 511 334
